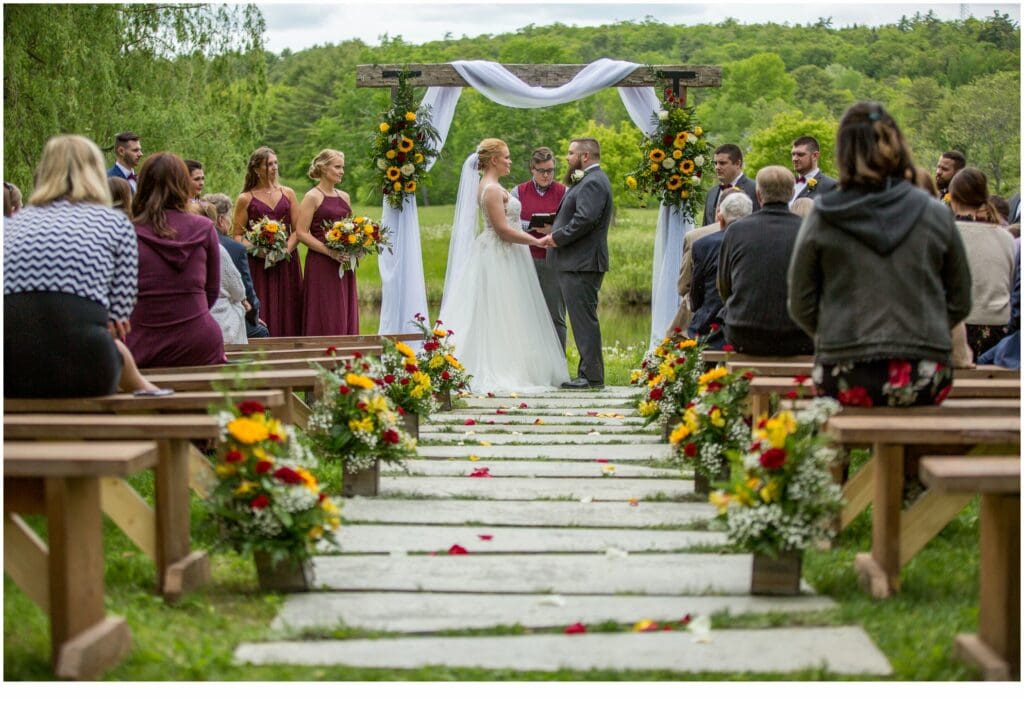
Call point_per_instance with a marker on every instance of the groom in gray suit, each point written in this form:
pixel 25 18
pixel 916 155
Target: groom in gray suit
pixel 579 254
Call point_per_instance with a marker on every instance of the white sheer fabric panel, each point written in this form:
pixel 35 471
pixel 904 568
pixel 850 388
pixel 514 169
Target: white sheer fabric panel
pixel 496 83
pixel 641 104
pixel 465 226
pixel 403 287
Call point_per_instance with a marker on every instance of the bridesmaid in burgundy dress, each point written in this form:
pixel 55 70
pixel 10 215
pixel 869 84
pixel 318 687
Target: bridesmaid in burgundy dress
pixel 279 288
pixel 330 306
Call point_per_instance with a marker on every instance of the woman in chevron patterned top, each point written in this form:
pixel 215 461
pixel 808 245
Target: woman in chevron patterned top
pixel 70 282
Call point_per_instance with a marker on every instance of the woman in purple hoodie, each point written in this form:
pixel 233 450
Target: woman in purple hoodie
pixel 179 272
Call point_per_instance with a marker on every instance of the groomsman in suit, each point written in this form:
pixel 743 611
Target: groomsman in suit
pixel 1014 209
pixel 128 153
pixel 579 237
pixel 950 163
pixel 729 171
pixel 810 181
pixel 542 195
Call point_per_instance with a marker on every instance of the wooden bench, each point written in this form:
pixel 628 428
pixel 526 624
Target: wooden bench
pixel 65 576
pixel 996 647
pixel 257 365
pixel 162 534
pixel 792 369
pixel 897 535
pixel 716 357
pixel 318 341
pixel 295 410
pixel 262 355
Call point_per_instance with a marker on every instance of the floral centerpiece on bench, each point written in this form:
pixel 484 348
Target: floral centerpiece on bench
pixel 668 377
pixel 267 500
pixel 782 498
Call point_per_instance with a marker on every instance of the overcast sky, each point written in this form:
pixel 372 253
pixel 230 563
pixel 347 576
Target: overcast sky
pixel 299 26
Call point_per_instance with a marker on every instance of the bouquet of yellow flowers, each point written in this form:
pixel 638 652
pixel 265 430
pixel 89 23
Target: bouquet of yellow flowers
pixel 669 377
pixel 781 496
pixel 675 158
pixel 353 423
pixel 409 387
pixel 267 498
pixel 404 144
pixel 713 423
pixel 356 237
pixel 268 238
pixel 438 357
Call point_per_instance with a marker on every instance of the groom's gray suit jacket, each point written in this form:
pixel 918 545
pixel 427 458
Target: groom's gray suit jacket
pixel 580 229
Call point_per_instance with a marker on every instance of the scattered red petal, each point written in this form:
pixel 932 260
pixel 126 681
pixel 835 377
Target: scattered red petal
pixel 485 536
pixel 601 460
pixel 575 629
pixel 537 421
pixel 469 422
pixel 685 620
pixel 792 394
pixel 457 550
pixel 523 405
pixel 490 394
pixel 591 413
pixel 481 472
pixel 634 502
pixel 490 421
pixel 650 627
pixel 667 627
pixel 500 411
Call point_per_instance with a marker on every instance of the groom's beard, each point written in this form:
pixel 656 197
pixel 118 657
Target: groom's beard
pixel 567 180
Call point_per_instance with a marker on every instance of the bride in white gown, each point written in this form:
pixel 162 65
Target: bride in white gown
pixel 492 299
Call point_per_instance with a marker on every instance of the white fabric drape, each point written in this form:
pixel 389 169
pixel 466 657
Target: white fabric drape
pixel 403 287
pixel 498 84
pixel 464 229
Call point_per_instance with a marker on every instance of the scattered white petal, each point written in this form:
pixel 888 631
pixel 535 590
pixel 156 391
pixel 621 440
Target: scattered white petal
pixel 594 433
pixel 700 628
pixel 552 600
pixel 615 553
pixel 586 500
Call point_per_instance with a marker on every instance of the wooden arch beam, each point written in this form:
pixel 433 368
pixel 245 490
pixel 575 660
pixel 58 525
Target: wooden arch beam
pixel 534 74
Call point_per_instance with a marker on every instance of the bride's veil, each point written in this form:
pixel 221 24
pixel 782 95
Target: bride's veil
pixel 464 227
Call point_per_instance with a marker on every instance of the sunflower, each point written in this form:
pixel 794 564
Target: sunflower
pixel 394 174
pixel 406 144
pixel 410 186
pixel 674 183
pixel 686 166
pixel 656 155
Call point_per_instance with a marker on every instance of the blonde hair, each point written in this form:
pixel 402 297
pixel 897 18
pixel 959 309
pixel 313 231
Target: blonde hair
pixel 487 151
pixel 802 206
pixel 71 168
pixel 775 184
pixel 322 159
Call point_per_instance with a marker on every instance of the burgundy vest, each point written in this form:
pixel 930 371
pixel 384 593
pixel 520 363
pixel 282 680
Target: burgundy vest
pixel 535 203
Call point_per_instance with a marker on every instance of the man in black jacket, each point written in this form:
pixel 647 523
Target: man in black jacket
pixel 752 267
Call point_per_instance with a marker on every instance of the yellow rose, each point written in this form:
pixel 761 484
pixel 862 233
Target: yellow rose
pixel 390 154
pixel 351 238
pixel 384 127
pixel 333 235
pixel 354 380
pixel 358 220
pixel 678 434
pixel 655 167
pixel 418 158
pixel 698 131
pixel 248 431
pixel 631 182
pixel 684 194
pixel 677 154
pixel 398 187
pixel 367 242
pixel 410 116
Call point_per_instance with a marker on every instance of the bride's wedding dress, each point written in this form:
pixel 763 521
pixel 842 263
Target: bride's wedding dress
pixel 503 332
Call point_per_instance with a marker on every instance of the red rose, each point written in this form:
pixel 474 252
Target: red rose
pixel 400 157
pixel 389 378
pixel 233 456
pixel 321 496
pixel 748 375
pixel 331 350
pixel 899 373
pixel 680 361
pixel 445 375
pixel 274 437
pixel 728 348
pixel 431 346
pixel 855 396
pixel 411 367
pixel 344 389
pixel 762 423
pixel 263 467
pixel 656 394
pixel 288 475
pixel 773 458
pixel 404 381
pixel 800 379
pixel 260 502
pixel 667 139
pixel 792 394
pixel 400 410
pixel 360 405
pixel 357 354
pixel 714 386
pixel 391 436
pixel 690 449
pixel 366 366
pixel 714 326
pixel 755 446
pixel 250 406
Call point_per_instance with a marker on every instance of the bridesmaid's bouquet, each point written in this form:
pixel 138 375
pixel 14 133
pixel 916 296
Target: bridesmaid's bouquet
pixel 355 237
pixel 268 237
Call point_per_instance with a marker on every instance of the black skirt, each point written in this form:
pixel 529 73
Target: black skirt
pixel 57 345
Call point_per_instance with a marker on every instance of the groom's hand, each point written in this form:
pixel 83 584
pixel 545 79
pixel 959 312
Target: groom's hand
pixel 545 230
pixel 547 241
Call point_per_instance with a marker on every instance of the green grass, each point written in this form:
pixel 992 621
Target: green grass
pixel 195 639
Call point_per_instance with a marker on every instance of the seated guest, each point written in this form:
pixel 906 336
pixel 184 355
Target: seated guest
pixel 802 206
pixel 120 194
pixel 198 179
pixel 752 268
pixel 70 276
pixel 1006 353
pixel 229 310
pixel 179 272
pixel 254 326
pixel 990 251
pixel 704 298
pixel 879 274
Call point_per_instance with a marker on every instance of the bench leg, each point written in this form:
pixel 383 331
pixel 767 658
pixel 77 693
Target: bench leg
pixel 131 513
pixel 857 493
pixel 879 572
pixel 84 641
pixel 173 520
pixel 25 558
pixel 201 476
pixel 996 647
pixel 925 518
pixel 300 412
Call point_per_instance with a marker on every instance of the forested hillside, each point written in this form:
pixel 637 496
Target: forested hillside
pixel 197 86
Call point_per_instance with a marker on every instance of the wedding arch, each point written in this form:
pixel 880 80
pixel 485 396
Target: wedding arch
pixel 403 292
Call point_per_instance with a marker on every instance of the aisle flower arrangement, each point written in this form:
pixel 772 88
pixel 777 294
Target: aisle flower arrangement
pixel 405 384
pixel 781 496
pixel 267 499
pixel 353 424
pixel 668 377
pixel 713 423
pixel 438 359
pixel 674 158
pixel 356 238
pixel 405 142
pixel 268 238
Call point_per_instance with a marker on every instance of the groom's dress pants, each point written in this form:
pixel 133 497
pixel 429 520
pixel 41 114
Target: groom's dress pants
pixel 579 290
pixel 552 291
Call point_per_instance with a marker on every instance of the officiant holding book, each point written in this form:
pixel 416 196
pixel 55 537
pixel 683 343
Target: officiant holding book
pixel 540 197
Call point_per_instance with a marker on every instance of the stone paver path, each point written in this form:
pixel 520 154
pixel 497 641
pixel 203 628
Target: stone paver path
pixel 574 517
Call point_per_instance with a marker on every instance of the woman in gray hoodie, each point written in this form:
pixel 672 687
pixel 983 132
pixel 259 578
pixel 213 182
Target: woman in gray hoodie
pixel 879 275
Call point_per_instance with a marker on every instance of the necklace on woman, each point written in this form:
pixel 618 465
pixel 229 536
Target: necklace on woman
pixel 327 193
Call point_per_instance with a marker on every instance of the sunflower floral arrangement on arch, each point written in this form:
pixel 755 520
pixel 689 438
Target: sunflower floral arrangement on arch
pixel 674 159
pixel 267 498
pixel 405 142
pixel 668 377
pixel 781 496
pixel 353 424
pixel 713 423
